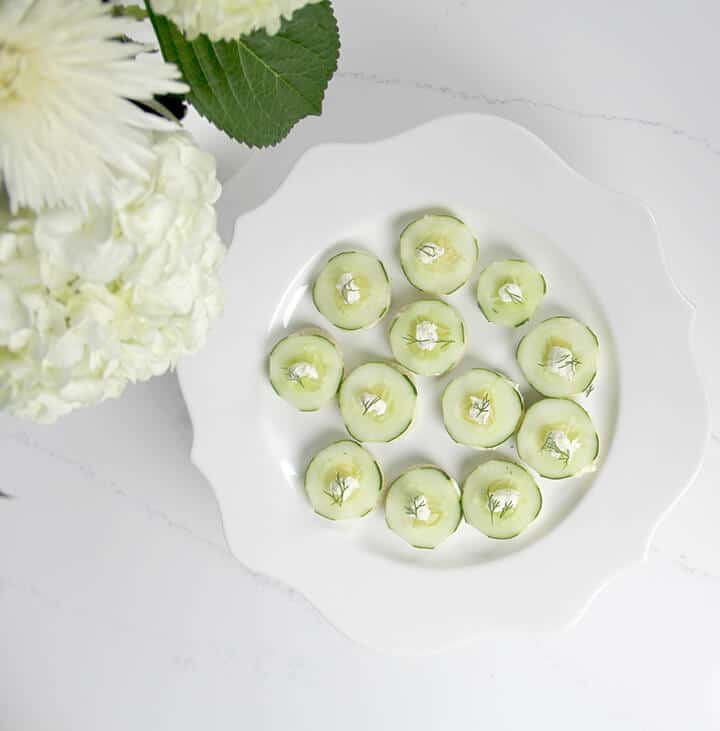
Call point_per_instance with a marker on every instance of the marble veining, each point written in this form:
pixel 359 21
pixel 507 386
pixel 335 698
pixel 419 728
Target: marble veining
pixel 464 95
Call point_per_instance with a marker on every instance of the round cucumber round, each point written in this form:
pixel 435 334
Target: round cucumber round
pixel 343 481
pixel 428 337
pixel 377 402
pixel 500 499
pixel 558 439
pixel 306 368
pixel 481 408
pixel 423 506
pixel 559 357
pixel 352 290
pixel 509 292
pixel 438 253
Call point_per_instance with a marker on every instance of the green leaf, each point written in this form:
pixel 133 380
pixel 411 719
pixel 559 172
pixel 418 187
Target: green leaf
pixel 258 87
pixel 129 11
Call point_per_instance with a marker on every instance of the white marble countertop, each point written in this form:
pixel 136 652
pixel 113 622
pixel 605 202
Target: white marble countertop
pixel 119 605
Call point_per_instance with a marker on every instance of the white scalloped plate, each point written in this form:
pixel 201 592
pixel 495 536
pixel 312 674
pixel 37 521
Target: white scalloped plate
pixel 600 255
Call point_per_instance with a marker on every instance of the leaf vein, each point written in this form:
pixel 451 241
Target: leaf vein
pixel 257 96
pixel 279 78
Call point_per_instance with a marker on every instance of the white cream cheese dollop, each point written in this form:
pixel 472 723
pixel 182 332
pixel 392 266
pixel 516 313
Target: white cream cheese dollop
pixel 510 292
pixel 301 369
pixel 479 410
pixel 429 252
pixel 559 445
pixel 420 509
pixel 426 335
pixel 503 499
pixel 342 487
pixel 347 286
pixel 561 361
pixel 373 404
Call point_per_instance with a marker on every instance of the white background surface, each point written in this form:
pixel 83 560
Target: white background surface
pixel 119 605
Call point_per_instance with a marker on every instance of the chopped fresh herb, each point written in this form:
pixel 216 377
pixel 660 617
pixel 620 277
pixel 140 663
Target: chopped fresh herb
pixel 551 446
pixel 339 488
pixel 567 360
pixel 417 341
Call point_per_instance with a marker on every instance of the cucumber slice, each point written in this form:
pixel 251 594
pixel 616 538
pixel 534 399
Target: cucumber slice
pixel 481 408
pixel 559 357
pixel 509 292
pixel 343 481
pixel 306 368
pixel 377 402
pixel 423 506
pixel 428 337
pixel 500 499
pixel 352 290
pixel 438 253
pixel 558 439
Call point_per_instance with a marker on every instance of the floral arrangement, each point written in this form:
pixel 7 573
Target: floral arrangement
pixel 109 252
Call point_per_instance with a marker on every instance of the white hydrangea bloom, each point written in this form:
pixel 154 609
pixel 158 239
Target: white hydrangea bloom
pixel 227 19
pixel 67 124
pixel 91 301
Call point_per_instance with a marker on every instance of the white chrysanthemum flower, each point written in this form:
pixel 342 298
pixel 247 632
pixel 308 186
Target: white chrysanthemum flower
pixel 227 19
pixel 91 301
pixel 66 120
